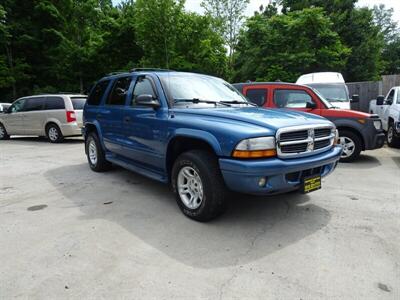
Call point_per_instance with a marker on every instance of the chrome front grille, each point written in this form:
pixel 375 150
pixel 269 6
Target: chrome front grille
pixel 305 140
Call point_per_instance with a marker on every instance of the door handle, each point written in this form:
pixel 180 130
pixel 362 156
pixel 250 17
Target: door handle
pixel 127 119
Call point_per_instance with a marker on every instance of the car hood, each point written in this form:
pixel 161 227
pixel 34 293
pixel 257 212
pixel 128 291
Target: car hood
pixel 269 118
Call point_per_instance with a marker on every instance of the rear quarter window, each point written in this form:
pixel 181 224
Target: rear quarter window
pixel 53 103
pixel 78 103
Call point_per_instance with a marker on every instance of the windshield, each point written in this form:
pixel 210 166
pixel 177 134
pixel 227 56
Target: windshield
pixel 333 92
pixel 206 88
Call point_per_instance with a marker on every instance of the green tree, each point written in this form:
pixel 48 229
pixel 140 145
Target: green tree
pixel 357 31
pixel 228 16
pixel 285 46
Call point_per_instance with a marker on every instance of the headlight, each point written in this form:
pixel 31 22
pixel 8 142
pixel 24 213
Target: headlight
pixel 255 148
pixel 378 124
pixel 336 140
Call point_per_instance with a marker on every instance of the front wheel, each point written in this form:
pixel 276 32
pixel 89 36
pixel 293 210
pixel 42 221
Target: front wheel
pixel 352 146
pixel 3 133
pixel 198 185
pixel 391 138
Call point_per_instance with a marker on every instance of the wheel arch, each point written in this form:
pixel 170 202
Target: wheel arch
pixel 185 141
pixel 353 130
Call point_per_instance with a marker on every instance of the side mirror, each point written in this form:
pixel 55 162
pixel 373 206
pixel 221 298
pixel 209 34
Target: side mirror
pixel 355 98
pixel 311 105
pixel 147 100
pixel 379 100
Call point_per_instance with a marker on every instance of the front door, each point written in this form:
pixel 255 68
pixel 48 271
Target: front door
pixel 14 119
pixel 294 99
pixel 143 127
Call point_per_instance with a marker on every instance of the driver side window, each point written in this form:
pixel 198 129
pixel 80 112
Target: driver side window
pixel 143 86
pixel 291 99
pixel 17 106
pixel 390 97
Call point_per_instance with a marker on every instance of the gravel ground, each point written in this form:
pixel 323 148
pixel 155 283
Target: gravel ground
pixel 67 232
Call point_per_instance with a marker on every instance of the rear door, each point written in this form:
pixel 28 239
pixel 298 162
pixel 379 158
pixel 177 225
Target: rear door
pixel 34 116
pixel 13 119
pixel 256 95
pixel 55 110
pixel 112 114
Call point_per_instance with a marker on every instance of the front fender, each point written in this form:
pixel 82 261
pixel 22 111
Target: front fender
pixel 201 135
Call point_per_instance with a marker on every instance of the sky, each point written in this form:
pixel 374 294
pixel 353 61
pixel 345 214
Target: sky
pixel 194 5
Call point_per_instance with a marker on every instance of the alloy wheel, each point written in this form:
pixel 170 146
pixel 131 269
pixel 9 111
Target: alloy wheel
pixel 348 146
pixel 190 187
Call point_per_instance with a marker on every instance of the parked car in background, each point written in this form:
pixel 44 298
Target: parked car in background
pixel 55 116
pixel 388 109
pixel 358 131
pixel 201 135
pixel 4 107
pixel 331 85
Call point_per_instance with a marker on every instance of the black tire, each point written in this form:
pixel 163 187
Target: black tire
pixel 3 133
pixel 214 201
pixel 392 140
pixel 54 134
pixel 101 164
pixel 357 146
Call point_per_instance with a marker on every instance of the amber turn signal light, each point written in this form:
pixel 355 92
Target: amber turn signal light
pixel 254 153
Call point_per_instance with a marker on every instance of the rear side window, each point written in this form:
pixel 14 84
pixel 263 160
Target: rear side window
pixel 257 96
pixel 78 103
pixel 98 92
pixel 54 103
pixel 34 104
pixel 119 91
pixel 291 98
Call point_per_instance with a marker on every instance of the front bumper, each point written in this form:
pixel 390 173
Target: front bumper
pixel 373 138
pixel 281 175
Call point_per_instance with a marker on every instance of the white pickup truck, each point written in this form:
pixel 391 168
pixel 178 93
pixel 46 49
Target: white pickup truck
pixel 388 109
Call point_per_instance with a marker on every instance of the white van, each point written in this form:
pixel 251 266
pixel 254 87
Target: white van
pixel 331 85
pixel 55 116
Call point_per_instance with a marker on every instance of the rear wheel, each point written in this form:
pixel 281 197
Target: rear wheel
pixel 198 185
pixel 3 133
pixel 352 145
pixel 95 154
pixel 54 133
pixel 391 138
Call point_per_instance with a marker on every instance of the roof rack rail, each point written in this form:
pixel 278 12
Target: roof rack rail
pixel 149 69
pixel 116 73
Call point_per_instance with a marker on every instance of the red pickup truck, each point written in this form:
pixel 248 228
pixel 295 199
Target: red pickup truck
pixel 358 131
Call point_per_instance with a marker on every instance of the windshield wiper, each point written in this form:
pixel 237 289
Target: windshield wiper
pixel 197 100
pixel 239 102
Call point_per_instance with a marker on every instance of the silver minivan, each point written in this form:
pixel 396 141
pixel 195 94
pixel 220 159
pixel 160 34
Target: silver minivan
pixel 55 116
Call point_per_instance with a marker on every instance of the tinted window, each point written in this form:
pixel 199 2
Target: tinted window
pixel 291 98
pixel 97 93
pixel 398 97
pixel 18 105
pixel 257 96
pixel 78 103
pixel 33 104
pixel 54 103
pixel 143 87
pixel 119 91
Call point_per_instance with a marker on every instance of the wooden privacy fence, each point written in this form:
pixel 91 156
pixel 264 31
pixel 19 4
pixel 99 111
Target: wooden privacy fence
pixel 369 90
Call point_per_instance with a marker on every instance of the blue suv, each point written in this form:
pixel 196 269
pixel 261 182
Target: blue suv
pixel 199 134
